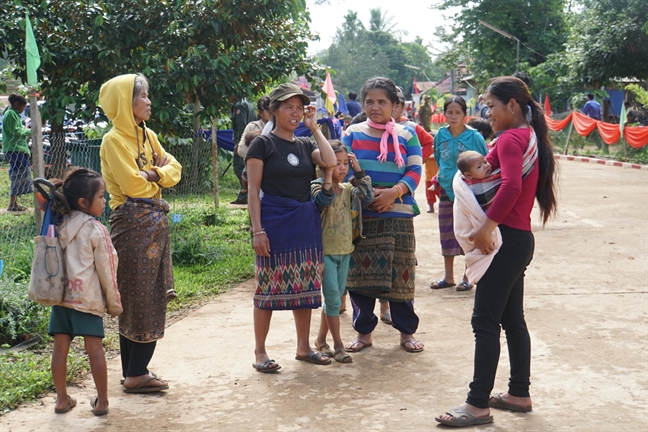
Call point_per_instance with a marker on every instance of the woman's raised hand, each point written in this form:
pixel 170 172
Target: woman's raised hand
pixel 261 245
pixel 310 117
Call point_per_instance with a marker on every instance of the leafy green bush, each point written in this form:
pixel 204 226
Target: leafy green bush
pixel 18 314
pixel 27 374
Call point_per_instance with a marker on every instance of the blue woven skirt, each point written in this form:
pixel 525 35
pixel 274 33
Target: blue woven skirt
pixel 291 278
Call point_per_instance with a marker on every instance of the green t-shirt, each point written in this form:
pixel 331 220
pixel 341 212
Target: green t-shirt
pixel 14 134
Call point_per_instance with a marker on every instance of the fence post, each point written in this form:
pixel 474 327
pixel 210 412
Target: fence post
pixel 571 125
pixel 37 150
pixel 215 161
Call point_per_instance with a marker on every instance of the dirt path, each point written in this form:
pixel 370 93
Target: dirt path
pixel 586 307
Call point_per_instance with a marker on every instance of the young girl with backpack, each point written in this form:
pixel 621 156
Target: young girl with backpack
pixel 91 262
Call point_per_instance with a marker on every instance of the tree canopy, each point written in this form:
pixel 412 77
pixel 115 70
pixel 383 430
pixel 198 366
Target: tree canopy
pixel 358 53
pixel 207 49
pixel 539 25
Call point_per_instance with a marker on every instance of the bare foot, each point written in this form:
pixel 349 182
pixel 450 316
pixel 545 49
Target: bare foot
pixel 477 412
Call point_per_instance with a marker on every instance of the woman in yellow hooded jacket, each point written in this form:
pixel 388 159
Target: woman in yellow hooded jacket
pixel 135 168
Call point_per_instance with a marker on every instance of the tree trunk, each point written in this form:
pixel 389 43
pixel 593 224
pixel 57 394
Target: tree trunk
pixel 58 150
pixel 194 178
pixel 214 149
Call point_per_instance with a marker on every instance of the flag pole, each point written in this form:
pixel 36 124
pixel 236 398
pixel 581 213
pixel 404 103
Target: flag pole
pixel 32 62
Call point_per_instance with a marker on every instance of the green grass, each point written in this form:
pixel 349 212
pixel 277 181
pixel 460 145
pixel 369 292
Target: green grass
pixel 211 252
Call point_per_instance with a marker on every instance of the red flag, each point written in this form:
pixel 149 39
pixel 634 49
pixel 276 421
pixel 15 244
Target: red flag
pixel 415 90
pixel 547 105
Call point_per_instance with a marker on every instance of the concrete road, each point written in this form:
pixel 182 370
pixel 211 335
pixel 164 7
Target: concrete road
pixel 587 311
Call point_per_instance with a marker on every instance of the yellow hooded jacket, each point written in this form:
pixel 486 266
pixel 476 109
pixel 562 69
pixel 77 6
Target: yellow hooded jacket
pixel 128 148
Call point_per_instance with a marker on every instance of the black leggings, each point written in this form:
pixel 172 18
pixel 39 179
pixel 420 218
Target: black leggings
pixel 499 299
pixel 135 356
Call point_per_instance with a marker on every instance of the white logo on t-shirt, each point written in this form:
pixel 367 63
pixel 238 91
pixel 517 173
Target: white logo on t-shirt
pixel 292 159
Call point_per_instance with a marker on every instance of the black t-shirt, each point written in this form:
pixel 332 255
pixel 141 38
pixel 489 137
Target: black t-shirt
pixel 287 166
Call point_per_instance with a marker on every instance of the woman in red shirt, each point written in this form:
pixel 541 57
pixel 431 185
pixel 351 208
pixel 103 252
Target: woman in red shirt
pixel 500 292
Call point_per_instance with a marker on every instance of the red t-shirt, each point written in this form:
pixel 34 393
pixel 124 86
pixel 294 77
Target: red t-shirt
pixel 514 200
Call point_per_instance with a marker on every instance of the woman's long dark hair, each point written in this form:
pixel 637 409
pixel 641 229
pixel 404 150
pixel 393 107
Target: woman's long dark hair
pixel 506 88
pixel 458 100
pixel 380 83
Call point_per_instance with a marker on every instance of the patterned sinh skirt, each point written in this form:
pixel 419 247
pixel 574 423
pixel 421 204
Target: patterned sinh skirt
pixel 19 173
pixel 140 233
pixel 291 278
pixel 383 264
pixel 449 244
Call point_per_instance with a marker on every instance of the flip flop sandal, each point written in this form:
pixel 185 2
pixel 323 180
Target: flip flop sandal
pixel 341 356
pixel 411 350
pixel 326 349
pixel 95 411
pixel 71 404
pixel 143 387
pixel 314 357
pixel 441 284
pixel 386 318
pixel 266 366
pixel 349 347
pixel 496 401
pixel 464 286
pixel 462 418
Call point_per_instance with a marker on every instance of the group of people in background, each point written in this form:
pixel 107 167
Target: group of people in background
pixel 347 227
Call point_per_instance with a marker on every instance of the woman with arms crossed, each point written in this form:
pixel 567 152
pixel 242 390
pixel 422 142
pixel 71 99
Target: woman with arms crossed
pixel 500 293
pixel 136 168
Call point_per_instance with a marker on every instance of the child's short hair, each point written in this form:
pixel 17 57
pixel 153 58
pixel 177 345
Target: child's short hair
pixel 78 183
pixel 337 146
pixel 482 125
pixel 463 161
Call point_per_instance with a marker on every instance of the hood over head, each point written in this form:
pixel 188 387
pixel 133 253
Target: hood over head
pixel 116 99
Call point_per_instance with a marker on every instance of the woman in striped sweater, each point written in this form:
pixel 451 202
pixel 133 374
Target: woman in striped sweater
pixel 383 263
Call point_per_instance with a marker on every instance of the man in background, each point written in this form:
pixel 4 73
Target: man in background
pixel 592 108
pixel 353 105
pixel 425 114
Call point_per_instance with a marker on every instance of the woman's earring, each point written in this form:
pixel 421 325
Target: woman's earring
pixel 512 112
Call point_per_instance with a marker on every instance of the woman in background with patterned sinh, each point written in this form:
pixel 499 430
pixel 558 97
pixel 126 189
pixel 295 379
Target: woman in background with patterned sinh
pixel 383 263
pixel 449 142
pixel 16 149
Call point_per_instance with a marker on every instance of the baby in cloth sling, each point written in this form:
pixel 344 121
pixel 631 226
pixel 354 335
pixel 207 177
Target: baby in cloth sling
pixel 475 186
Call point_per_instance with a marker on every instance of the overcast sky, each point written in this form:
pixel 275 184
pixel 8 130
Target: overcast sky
pixel 413 16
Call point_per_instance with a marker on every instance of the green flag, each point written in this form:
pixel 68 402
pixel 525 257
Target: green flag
pixel 33 57
pixel 623 118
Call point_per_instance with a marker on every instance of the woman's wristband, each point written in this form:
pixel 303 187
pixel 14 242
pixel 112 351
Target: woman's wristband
pixel 262 232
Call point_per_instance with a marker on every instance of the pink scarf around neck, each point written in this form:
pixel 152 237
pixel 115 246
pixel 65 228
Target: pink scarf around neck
pixel 389 130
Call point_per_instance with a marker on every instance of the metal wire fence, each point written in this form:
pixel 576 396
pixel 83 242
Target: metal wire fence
pixel 195 191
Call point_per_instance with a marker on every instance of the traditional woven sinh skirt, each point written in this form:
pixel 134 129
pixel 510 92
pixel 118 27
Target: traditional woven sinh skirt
pixel 140 233
pixel 449 244
pixel 291 278
pixel 383 264
pixel 19 173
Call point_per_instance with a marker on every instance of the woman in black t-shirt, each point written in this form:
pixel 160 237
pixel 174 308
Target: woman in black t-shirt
pixel 286 225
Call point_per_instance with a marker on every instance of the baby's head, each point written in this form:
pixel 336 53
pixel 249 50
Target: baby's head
pixel 473 165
